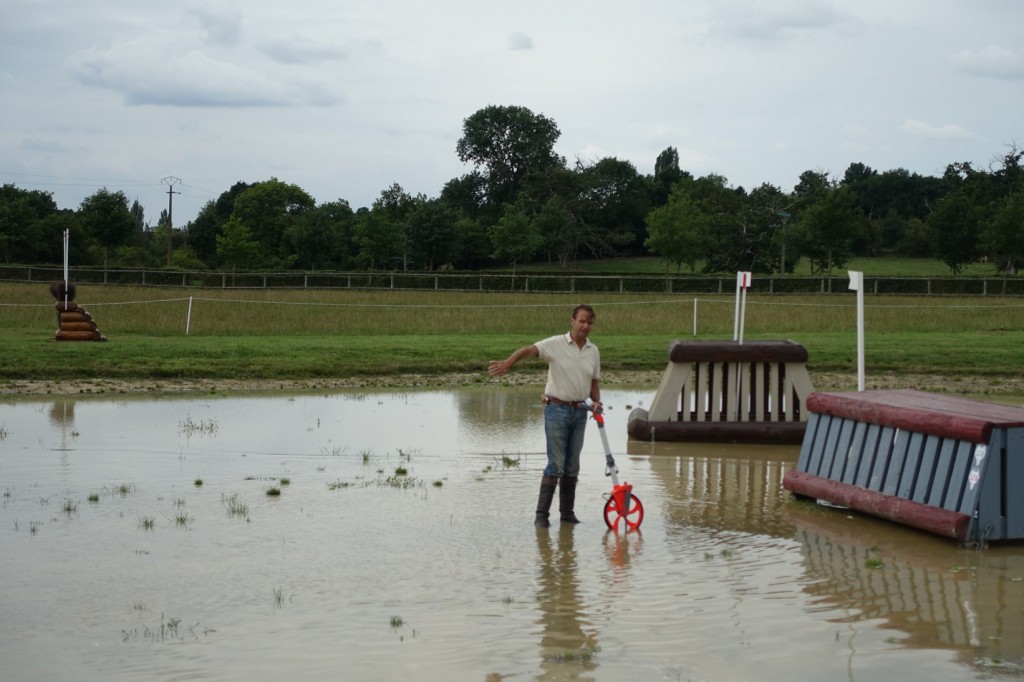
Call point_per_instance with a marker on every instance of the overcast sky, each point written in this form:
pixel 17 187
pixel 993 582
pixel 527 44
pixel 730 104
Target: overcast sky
pixel 344 98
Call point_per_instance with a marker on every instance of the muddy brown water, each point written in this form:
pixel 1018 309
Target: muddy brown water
pixel 359 572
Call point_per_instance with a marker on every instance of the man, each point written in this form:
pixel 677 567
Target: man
pixel 574 370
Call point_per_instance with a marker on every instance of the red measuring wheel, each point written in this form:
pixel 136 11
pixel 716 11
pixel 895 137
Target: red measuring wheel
pixel 623 507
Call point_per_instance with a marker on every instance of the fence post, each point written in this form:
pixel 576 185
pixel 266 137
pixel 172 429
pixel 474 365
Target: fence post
pixel 188 318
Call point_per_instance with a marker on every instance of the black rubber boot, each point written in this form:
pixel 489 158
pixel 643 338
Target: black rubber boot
pixel 567 499
pixel 547 494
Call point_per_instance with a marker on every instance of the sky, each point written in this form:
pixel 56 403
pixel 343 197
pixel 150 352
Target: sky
pixel 344 98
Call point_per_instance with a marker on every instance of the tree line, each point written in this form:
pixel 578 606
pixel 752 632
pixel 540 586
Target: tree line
pixel 521 203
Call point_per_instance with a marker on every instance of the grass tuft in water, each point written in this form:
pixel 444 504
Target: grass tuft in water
pixel 198 482
pixel 273 491
pixel 182 519
pixel 147 522
pixel 401 471
pixel 69 507
pixel 94 497
pixel 509 462
pixel 338 485
pixel 203 427
pixel 235 505
pixel 285 481
pixel 123 489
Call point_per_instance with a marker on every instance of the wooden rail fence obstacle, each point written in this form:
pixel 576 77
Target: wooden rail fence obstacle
pixel 942 464
pixel 74 323
pixel 725 391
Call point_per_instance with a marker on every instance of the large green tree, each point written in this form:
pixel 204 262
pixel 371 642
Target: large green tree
pixel 269 209
pixel 201 233
pixel 509 143
pixel 953 230
pixel 22 237
pixel 676 231
pixel 108 220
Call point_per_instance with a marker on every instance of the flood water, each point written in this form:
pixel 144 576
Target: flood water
pixel 117 564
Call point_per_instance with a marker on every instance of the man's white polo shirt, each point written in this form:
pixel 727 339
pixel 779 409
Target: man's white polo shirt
pixel 570 368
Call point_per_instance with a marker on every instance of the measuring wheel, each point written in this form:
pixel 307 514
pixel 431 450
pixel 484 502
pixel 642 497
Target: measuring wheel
pixel 617 509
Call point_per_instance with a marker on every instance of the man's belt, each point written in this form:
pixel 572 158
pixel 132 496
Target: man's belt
pixel 558 401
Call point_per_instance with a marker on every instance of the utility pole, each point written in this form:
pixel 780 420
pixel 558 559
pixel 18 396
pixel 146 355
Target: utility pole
pixel 170 181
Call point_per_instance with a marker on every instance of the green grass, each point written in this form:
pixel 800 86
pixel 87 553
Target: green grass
pixel 313 335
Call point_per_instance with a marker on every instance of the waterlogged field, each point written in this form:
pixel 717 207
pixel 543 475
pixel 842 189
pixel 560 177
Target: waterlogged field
pixel 388 535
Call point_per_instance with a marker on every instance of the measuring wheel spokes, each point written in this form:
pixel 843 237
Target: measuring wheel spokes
pixel 624 510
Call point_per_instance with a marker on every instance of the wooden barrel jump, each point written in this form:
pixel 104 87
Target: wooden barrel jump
pixel 74 323
pixel 942 464
pixel 728 392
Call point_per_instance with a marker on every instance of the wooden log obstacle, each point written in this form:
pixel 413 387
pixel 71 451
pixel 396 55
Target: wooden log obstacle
pixel 943 464
pixel 74 323
pixel 725 391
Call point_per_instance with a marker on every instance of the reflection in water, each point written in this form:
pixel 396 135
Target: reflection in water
pixel 500 415
pixel 62 414
pixel 938 595
pixel 565 647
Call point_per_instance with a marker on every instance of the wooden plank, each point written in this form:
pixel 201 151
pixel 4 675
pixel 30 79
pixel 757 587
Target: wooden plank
pixel 939 521
pixel 911 465
pixel 733 351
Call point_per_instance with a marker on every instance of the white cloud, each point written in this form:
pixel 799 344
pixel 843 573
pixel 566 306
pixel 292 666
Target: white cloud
pixel 297 49
pixel 993 61
pixel 171 72
pixel 520 41
pixel 924 129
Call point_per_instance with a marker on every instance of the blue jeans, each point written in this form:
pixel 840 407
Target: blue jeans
pixel 564 428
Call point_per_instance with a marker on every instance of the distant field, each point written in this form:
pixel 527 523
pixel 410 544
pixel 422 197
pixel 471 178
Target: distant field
pixel 303 334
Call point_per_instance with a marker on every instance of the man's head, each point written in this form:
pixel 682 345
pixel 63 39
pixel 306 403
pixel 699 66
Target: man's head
pixel 582 321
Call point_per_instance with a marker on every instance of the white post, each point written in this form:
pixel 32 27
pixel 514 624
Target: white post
pixel 857 284
pixel 742 284
pixel 188 318
pixel 66 238
pixel 695 316
pixel 736 309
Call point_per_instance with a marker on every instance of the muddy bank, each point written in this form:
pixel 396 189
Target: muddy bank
pixel 823 381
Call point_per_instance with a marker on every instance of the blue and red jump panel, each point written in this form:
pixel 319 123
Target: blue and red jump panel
pixel 943 464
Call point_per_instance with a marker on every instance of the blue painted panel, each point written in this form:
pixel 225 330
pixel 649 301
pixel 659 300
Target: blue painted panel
pixel 940 481
pixel 828 453
pixel 958 476
pixel 1013 483
pixel 856 453
pixel 926 469
pixel 894 469
pixel 880 467
pixel 912 464
pixel 867 460
pixel 824 425
pixel 807 446
pixel 842 449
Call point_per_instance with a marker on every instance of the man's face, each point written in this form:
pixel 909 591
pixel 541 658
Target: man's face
pixel 582 324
